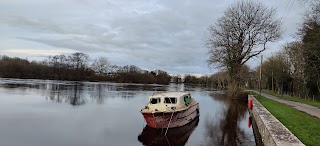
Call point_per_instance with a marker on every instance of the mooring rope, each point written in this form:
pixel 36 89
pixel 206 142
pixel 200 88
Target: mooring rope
pixel 169 123
pixel 155 121
pixel 167 140
pixel 162 118
pixel 170 118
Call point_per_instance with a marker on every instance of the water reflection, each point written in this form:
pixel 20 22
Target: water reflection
pixel 175 137
pixel 107 114
pixel 71 94
pixel 227 131
pixel 79 94
pixel 76 98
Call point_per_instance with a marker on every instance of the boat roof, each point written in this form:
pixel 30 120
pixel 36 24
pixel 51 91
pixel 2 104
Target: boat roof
pixel 169 94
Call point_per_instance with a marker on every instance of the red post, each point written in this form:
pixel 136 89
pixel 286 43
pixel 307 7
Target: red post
pixel 249 122
pixel 250 103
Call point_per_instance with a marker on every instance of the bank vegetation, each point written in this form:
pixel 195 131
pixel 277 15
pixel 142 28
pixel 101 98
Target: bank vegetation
pixel 295 69
pixel 78 67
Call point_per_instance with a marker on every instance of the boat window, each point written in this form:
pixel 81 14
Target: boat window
pixel 187 99
pixel 171 100
pixel 155 100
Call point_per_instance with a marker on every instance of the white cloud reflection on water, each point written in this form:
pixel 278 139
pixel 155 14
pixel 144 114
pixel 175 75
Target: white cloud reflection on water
pixel 31 114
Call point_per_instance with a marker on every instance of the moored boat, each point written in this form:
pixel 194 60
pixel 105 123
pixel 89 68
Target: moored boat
pixel 170 109
pixel 175 137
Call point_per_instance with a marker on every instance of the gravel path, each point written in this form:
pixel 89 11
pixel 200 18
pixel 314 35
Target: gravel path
pixel 311 110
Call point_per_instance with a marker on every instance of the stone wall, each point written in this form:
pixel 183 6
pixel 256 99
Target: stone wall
pixel 272 131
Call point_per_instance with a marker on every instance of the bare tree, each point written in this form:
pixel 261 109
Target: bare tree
pixel 101 65
pixel 241 33
pixel 276 72
pixel 78 61
pixel 295 52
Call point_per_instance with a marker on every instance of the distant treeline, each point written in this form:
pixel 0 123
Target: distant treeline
pixel 77 67
pixel 220 80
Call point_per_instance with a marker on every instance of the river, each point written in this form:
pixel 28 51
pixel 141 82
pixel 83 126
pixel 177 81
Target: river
pixel 66 113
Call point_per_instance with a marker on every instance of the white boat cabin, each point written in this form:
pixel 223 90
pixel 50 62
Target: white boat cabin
pixel 168 102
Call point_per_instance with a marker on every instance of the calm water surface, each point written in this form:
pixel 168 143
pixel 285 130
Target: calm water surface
pixel 63 113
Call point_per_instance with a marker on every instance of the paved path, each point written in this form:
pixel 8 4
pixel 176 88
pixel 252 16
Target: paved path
pixel 311 110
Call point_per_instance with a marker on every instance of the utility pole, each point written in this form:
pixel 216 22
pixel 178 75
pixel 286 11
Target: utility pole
pixel 260 74
pixel 272 80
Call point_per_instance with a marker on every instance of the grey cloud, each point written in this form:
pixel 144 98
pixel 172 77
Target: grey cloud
pixel 162 34
pixel 52 27
pixel 67 43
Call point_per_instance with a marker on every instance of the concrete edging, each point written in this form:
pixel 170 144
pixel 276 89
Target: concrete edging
pixel 272 131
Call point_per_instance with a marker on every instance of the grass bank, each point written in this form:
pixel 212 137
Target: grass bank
pixel 292 98
pixel 304 126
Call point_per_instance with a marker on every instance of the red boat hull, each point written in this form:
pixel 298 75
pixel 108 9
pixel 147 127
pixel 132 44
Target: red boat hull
pixel 178 118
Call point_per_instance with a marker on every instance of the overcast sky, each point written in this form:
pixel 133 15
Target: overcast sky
pixel 151 34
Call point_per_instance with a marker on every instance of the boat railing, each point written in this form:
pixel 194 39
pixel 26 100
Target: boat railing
pixel 158 92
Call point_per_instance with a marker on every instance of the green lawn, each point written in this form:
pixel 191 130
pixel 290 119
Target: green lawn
pixel 304 126
pixel 296 99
